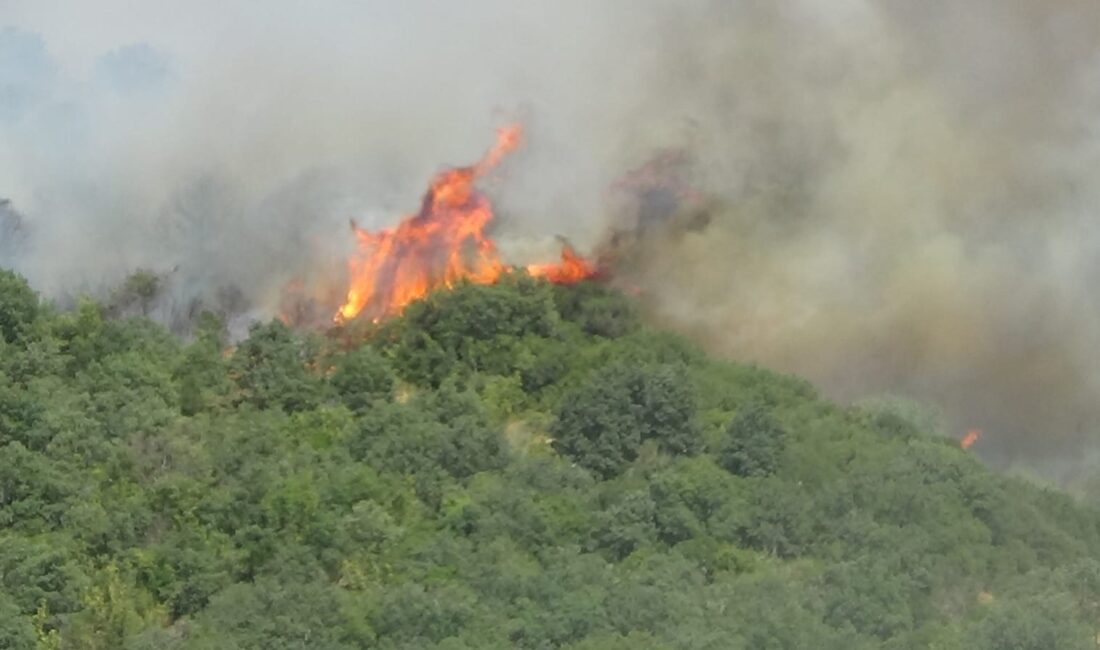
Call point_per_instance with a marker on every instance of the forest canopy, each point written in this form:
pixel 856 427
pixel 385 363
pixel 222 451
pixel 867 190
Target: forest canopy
pixel 518 465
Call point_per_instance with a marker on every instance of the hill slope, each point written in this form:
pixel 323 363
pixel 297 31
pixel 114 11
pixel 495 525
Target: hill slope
pixel 516 465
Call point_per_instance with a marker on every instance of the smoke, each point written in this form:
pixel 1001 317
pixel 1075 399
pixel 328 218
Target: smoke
pixel 909 196
pixel 900 197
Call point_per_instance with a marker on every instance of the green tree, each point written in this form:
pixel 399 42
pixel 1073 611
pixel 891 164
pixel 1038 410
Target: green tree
pixel 20 414
pixel 16 630
pixel 270 615
pixel 873 597
pixel 543 484
pixel 602 424
pixel 270 366
pixel 202 373
pixel 754 442
pixel 18 306
pixel 626 525
pixel 596 309
pixel 473 328
pixel 446 430
pixel 414 613
pixel 113 612
pixel 1044 623
pixel 362 377
pixel 139 290
pixel 42 571
pixel 33 489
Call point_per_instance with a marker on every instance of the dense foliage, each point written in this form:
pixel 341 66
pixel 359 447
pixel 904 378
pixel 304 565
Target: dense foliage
pixel 507 466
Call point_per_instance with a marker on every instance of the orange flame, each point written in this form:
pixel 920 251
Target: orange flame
pixel 972 436
pixel 443 243
pixel 572 269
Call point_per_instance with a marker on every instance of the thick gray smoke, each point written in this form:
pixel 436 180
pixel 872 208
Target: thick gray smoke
pixel 911 195
pixel 901 196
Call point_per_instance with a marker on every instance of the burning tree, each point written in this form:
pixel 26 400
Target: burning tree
pixel 444 243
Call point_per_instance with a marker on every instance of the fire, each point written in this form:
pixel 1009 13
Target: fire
pixel 572 268
pixel 970 438
pixel 443 243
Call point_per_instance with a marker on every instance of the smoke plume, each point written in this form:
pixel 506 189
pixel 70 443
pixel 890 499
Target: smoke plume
pixel 896 197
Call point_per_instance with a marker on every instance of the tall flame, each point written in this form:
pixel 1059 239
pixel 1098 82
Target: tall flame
pixel 443 243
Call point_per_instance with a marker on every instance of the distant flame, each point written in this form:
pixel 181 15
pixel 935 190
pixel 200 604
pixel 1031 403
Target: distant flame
pixel 443 243
pixel 970 438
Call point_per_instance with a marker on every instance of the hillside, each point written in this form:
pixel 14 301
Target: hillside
pixel 508 466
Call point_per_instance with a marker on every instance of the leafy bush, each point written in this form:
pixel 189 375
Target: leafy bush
pixel 602 424
pixel 506 466
pixel 754 442
pixel 18 306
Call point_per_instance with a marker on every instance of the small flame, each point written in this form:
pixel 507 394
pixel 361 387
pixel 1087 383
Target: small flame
pixel 572 269
pixel 445 242
pixel 971 437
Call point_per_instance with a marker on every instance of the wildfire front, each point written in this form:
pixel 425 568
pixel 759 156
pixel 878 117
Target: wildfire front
pixel 444 243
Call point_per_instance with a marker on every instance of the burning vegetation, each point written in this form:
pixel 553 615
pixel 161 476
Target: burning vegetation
pixel 446 242
pixel 971 437
pixel 449 241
